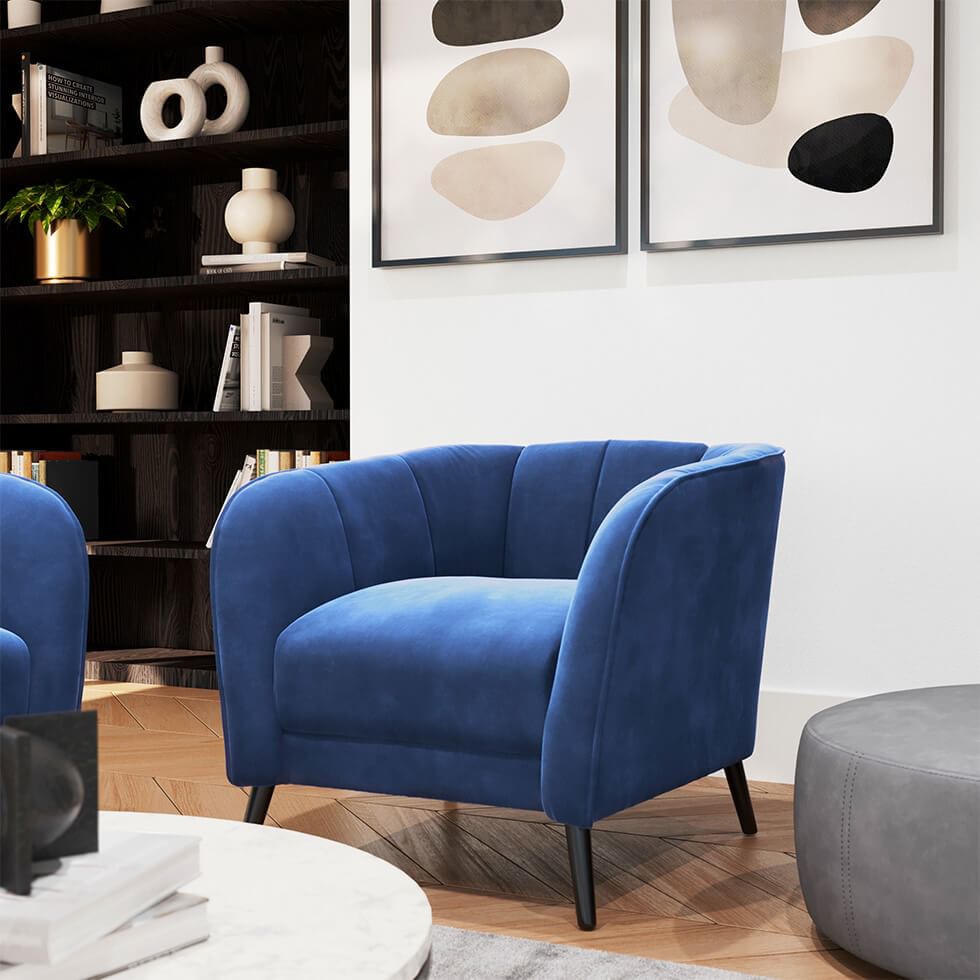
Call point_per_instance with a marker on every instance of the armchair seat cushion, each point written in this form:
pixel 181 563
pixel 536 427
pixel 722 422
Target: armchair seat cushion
pixel 15 674
pixel 460 663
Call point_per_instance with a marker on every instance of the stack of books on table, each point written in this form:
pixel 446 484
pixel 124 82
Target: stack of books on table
pixel 102 913
pixel 251 378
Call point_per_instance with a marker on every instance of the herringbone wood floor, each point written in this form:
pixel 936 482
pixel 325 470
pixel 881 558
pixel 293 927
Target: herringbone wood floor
pixel 675 879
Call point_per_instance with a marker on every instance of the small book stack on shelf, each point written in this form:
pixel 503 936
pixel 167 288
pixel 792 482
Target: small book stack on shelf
pixel 71 474
pixel 216 265
pixel 101 913
pixel 252 377
pixel 62 111
pixel 267 461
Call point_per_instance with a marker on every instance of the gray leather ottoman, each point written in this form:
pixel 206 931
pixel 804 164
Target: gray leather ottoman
pixel 887 814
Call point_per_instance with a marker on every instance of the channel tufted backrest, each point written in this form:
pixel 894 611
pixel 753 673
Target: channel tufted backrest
pixel 561 492
pixel 483 510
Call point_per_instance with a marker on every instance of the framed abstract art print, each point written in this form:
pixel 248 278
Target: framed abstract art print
pixel 499 129
pixel 767 121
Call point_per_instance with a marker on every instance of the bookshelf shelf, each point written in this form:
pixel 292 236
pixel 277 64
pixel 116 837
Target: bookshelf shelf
pixel 180 22
pixel 200 288
pixel 147 549
pixel 163 476
pixel 99 420
pixel 218 154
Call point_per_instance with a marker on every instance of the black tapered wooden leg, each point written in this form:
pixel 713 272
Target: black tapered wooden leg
pixel 740 796
pixel 258 804
pixel 580 859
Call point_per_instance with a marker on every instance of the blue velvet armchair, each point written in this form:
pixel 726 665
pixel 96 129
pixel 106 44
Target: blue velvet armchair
pixel 43 600
pixel 572 628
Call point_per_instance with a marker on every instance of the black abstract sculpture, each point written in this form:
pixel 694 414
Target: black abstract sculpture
pixel 48 794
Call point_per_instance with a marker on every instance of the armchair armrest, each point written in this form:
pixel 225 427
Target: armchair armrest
pixel 284 545
pixel 658 674
pixel 44 590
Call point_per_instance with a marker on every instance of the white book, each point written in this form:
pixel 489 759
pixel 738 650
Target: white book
pixel 90 895
pixel 252 350
pixel 39 136
pixel 217 270
pixel 242 476
pixel 240 258
pixel 277 326
pixel 173 924
pixel 228 396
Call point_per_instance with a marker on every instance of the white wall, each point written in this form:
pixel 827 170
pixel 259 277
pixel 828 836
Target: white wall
pixel 861 358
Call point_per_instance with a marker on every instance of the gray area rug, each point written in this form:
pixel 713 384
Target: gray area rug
pixel 458 954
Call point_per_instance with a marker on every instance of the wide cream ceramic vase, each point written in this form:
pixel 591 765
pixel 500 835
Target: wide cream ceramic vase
pixel 258 217
pixel 136 385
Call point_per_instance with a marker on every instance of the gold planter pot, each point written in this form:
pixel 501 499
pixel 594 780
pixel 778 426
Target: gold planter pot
pixel 69 252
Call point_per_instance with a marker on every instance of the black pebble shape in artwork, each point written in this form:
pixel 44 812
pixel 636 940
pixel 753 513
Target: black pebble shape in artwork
pixel 847 155
pixel 463 22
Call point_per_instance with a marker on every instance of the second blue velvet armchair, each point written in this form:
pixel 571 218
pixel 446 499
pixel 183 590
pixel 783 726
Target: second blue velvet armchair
pixel 572 628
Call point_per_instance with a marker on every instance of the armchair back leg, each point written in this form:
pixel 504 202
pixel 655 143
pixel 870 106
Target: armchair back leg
pixel 580 860
pixel 739 788
pixel 258 804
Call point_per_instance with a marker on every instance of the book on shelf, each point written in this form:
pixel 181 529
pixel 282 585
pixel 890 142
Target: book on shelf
pixel 175 923
pixel 262 330
pixel 277 326
pixel 240 261
pixel 62 110
pixel 91 895
pixel 228 397
pixel 268 461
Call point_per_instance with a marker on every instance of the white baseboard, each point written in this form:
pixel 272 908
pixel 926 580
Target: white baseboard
pixel 782 715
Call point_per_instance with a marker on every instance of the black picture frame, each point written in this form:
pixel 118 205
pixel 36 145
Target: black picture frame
pixel 934 228
pixel 622 164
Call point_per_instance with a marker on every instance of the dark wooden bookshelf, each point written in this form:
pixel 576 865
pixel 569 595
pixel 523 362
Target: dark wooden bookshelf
pixel 164 475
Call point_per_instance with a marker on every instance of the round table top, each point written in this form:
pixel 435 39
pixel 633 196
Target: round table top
pixel 286 904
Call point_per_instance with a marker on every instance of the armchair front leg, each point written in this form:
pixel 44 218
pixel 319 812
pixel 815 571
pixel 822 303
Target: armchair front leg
pixel 579 841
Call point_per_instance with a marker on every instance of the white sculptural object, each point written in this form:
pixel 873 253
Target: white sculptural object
pixel 193 107
pixel 258 217
pixel 23 13
pixel 111 6
pixel 217 71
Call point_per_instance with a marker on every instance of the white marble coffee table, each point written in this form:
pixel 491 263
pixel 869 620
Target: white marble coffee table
pixel 287 905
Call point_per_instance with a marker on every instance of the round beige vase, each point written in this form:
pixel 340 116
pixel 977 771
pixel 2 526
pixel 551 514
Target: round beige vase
pixel 136 385
pixel 258 217
pixel 69 252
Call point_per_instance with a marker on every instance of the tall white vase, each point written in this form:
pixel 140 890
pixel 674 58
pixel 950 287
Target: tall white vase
pixel 217 71
pixel 258 217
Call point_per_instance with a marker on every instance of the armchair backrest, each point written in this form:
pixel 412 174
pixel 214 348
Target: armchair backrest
pixel 486 510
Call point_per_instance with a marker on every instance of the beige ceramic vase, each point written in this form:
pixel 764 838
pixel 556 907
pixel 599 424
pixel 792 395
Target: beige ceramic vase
pixel 136 385
pixel 258 217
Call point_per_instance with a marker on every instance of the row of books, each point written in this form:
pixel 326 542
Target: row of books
pixel 32 464
pixel 102 913
pixel 61 110
pixel 268 461
pixel 252 373
pixel 74 475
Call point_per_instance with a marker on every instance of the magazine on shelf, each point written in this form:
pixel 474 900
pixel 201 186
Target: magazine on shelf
pixel 246 473
pixel 228 397
pixel 66 111
pixel 179 921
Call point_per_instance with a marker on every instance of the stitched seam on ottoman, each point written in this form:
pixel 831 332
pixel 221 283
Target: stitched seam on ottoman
pixel 846 811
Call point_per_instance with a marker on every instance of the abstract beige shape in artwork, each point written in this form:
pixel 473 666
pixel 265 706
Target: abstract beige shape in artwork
pixel 831 16
pixel 823 82
pixel 499 182
pixel 499 94
pixel 731 51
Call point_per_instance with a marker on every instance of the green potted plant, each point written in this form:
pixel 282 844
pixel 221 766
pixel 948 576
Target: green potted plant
pixel 64 218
